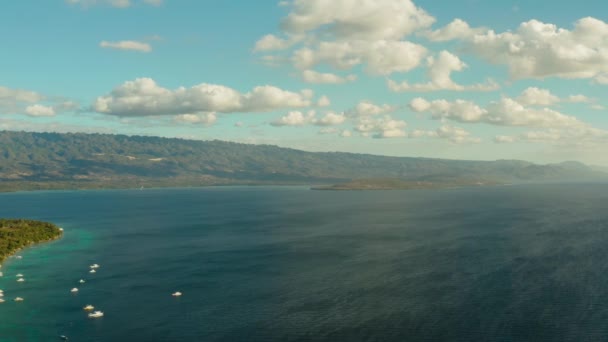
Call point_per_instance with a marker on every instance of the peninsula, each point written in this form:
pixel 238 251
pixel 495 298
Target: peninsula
pixel 16 234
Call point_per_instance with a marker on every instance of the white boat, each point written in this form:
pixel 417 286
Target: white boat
pixel 60 229
pixel 96 314
pixel 18 299
pixel 19 257
pixel 20 280
pixel 1 300
pixel 88 307
pixel 92 271
pixel 94 266
pixel 1 294
pixel 176 294
pixel 19 275
pixel 81 281
pixel 74 290
pixel 1 274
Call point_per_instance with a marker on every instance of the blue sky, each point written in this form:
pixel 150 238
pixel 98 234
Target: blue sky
pixel 472 79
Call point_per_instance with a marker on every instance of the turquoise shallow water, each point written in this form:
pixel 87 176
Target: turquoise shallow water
pixel 520 263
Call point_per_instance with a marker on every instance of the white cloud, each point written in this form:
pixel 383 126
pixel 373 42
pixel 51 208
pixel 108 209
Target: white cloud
pixel 456 135
pixel 537 96
pixel 143 97
pixel 601 78
pixel 344 34
pixel 504 139
pixel 539 50
pixel 505 112
pixel 323 101
pixel 131 45
pixel 271 42
pixel 439 72
pixel 346 134
pixel 295 118
pixel 330 119
pixel 367 108
pixel 39 110
pixel 298 118
pixel 312 76
pixel 543 97
pixel 363 19
pixel 206 119
pixel 381 57
pixel 31 103
pixel 383 127
pixel 457 29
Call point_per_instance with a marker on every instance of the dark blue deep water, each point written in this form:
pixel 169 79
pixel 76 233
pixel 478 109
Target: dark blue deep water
pixel 513 263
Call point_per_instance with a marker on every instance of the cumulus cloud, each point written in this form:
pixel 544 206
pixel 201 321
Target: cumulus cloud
pixel 39 110
pixel 143 97
pixel 323 101
pixel 380 57
pixel 456 135
pixel 543 97
pixel 312 76
pixel 504 139
pixel 367 108
pixel 31 103
pixel 457 29
pixel 131 45
pixel 439 72
pixel 364 19
pixel 295 118
pixel 206 119
pixel 539 50
pixel 381 127
pixel 504 112
pixel 271 42
pixel 298 118
pixel 345 34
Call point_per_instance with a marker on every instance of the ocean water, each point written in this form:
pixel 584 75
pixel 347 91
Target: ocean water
pixel 512 263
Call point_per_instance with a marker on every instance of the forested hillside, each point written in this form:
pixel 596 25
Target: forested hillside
pixel 95 160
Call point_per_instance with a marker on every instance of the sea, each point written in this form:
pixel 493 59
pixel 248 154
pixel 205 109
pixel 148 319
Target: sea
pixel 496 263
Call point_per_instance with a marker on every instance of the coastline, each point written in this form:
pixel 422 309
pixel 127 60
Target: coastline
pixel 57 234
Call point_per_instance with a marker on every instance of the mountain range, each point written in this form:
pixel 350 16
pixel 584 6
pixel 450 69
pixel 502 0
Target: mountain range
pixel 77 160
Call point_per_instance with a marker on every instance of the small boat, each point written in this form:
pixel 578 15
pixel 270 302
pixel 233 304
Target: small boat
pixel 1 294
pixel 63 338
pixel 94 266
pixel 20 280
pixel 92 271
pixel 19 257
pixel 1 274
pixel 81 281
pixel 19 275
pixel 74 290
pixel 96 314
pixel 88 308
pixel 1 300
pixel 176 294
pixel 18 299
pixel 60 229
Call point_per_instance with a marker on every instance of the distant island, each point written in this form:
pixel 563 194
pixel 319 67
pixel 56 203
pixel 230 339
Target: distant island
pixel 398 184
pixel 49 161
pixel 16 234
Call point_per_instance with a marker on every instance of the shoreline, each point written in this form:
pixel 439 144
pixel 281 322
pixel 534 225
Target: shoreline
pixel 57 231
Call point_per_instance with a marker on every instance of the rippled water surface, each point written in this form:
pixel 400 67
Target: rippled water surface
pixel 517 263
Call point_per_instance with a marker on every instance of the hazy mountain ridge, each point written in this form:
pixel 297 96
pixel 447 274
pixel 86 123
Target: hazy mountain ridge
pixel 79 157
